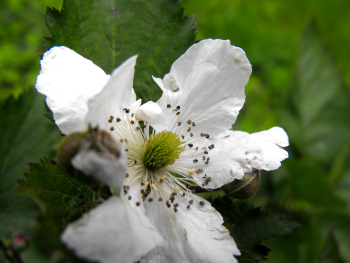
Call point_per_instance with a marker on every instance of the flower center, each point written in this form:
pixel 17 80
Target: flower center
pixel 161 150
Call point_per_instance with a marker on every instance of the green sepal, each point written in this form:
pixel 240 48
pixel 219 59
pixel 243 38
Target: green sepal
pixel 244 188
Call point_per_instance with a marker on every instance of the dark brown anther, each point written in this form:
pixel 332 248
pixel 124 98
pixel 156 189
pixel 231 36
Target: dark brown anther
pixel 209 179
pixel 183 195
pixel 201 203
pixel 188 207
pixel 193 191
pixel 127 110
pixel 172 199
pixel 168 204
pixel 144 126
pixel 202 134
pixel 176 205
pixel 190 145
pixel 137 203
pixel 161 181
pixel 168 106
pixel 174 194
pixel 129 198
pixel 118 120
pixel 189 122
pixel 126 150
pixel 150 199
pixel 191 134
pixel 191 201
pixel 111 129
pixel 178 107
pixel 126 175
pixel 137 128
pixel 211 146
pixel 189 128
pixel 203 158
pixel 179 123
pixel 183 137
pixel 110 119
pixel 195 161
pixel 160 199
pixel 206 152
pixel 193 124
pixel 132 114
pixel 178 113
pixel 196 148
pixel 132 122
pixel 207 136
pixel 175 209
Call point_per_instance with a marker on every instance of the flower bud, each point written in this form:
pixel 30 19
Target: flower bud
pixel 245 188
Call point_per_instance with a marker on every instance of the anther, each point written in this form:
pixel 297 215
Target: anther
pixel 137 128
pixel 191 201
pixel 211 146
pixel 183 195
pixel 189 122
pixel 126 150
pixel 175 209
pixel 132 114
pixel 173 194
pixel 129 198
pixel 168 106
pixel 190 145
pixel 118 120
pixel 195 161
pixel 168 204
pixel 176 205
pixel 202 134
pixel 178 107
pixel 111 129
pixel 137 203
pixel 110 119
pixel 189 128
pixel 188 207
pixel 193 191
pixel 161 181
pixel 133 162
pixel 206 152
pixel 203 158
pixel 207 136
pixel 160 199
pixel 150 199
pixel 132 122
pixel 178 113
pixel 191 134
pixel 126 175
pixel 193 124
pixel 179 123
pixel 201 203
pixel 196 148
pixel 183 137
pixel 144 126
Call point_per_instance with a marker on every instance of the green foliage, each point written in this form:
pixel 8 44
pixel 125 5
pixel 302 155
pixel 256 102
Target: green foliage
pixel 330 252
pixel 109 32
pixel 24 137
pixel 250 226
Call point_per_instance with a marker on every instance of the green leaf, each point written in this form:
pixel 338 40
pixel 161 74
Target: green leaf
pixel 330 252
pixel 250 226
pixel 63 198
pixel 24 137
pixel 108 32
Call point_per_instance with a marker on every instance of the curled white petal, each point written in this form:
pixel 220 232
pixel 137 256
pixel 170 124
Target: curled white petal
pixel 102 166
pixel 111 233
pixel 69 81
pixel 170 82
pixel 152 113
pixel 116 95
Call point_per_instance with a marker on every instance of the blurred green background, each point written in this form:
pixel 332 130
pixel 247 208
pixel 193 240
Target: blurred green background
pixel 299 51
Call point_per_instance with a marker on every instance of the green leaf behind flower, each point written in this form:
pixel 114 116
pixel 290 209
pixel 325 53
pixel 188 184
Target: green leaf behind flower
pixel 108 32
pixel 63 198
pixel 330 252
pixel 250 226
pixel 24 137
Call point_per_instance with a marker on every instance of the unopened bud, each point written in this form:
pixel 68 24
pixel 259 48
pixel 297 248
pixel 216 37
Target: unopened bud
pixel 245 188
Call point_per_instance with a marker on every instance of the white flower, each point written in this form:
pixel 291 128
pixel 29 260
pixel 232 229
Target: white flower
pixel 190 144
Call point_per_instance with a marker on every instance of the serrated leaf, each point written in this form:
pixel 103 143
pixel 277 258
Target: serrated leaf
pixel 63 198
pixel 250 226
pixel 330 252
pixel 24 136
pixel 109 31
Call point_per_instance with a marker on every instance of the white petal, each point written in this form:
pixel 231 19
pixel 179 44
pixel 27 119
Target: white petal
pixel 116 95
pixel 159 82
pixel 191 235
pixel 102 166
pixel 111 233
pixel 211 76
pixel 152 113
pixel 69 80
pixel 237 152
